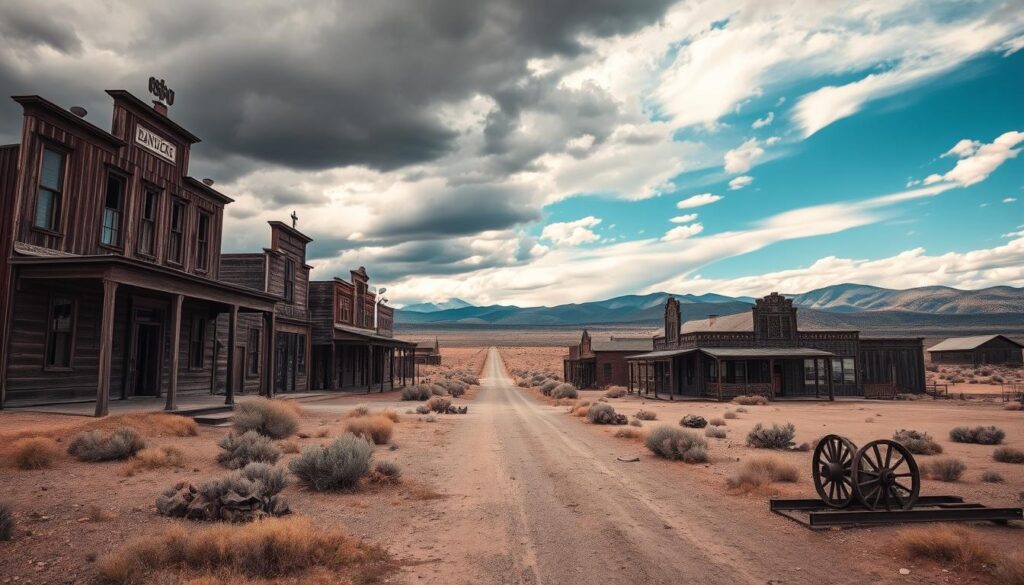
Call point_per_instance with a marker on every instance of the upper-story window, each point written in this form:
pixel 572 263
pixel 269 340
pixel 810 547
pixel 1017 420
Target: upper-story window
pixel 176 243
pixel 113 209
pixel 203 242
pixel 147 222
pixel 289 280
pixel 51 190
pixel 344 309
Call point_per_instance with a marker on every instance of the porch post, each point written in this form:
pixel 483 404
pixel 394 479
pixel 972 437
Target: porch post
pixel 106 348
pixel 172 382
pixel 332 367
pixel 828 372
pixel 771 378
pixel 269 324
pixel 229 392
pixel 671 378
pixel 718 362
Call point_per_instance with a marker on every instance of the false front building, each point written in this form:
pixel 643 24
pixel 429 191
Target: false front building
pixel 767 351
pixel 350 350
pixel 110 259
pixel 597 364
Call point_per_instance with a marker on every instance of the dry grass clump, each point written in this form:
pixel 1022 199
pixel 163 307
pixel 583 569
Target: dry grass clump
pixel 289 446
pixel 439 404
pixel 989 476
pixel 945 543
pixel 35 453
pixel 677 444
pixel 944 469
pixel 917 442
pixel 97 446
pixel 386 472
pixel 603 413
pixel 777 437
pixel 716 422
pixel 981 435
pixel 628 433
pixel 338 466
pixel 729 415
pixel 761 471
pixel 714 432
pixel 615 392
pixel 148 424
pixel 292 548
pixel 646 415
pixel 156 458
pixel 565 390
pixel 1008 455
pixel 249 447
pixel 378 428
pixel 751 400
pixel 358 411
pixel 6 521
pixel 96 514
pixel 1013 406
pixel 391 414
pixel 276 419
pixel 741 409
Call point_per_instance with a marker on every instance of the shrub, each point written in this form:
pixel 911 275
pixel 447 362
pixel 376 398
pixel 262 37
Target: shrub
pixel 417 392
pixel 729 415
pixel 548 387
pixel 636 423
pixel 274 418
pixel 944 543
pixel 741 409
pixel 945 469
pixel 95 446
pixel 1013 406
pixel 990 476
pixel 1008 455
pixel 386 472
pixel 601 414
pixel 646 415
pixel 287 548
pixel 762 470
pixel 628 433
pixel 156 458
pixel 337 466
pixel 358 411
pixel 378 428
pixel 677 444
pixel 439 404
pixel 565 390
pixel 716 422
pixel 422 409
pixel 243 496
pixel 456 389
pixel 981 435
pixel 6 521
pixel 777 437
pixel 438 390
pixel 249 447
pixel 693 421
pixel 714 432
pixel 391 414
pixel 917 442
pixel 290 446
pixel 751 400
pixel 615 392
pixel 35 452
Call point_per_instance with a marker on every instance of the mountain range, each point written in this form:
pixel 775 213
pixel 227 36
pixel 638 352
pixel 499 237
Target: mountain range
pixel 842 305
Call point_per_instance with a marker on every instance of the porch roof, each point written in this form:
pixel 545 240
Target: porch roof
pixel 350 333
pixel 736 353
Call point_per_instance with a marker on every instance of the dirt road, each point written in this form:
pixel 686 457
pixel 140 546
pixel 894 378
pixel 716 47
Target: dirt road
pixel 538 498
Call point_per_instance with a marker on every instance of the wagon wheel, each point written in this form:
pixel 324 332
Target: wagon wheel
pixel 885 475
pixel 832 470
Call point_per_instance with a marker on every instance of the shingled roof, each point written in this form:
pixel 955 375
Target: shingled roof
pixel 968 343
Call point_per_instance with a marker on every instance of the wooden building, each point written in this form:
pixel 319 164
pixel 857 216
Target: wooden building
pixel 350 351
pixel 976 350
pixel 280 270
pixel 428 353
pixel 598 364
pixel 768 351
pixel 110 260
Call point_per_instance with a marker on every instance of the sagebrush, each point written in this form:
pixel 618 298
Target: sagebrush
pixel 237 451
pixel 277 419
pixel 776 437
pixel 917 442
pixel 944 469
pixel 677 444
pixel 97 446
pixel 981 435
pixel 338 466
pixel 1008 455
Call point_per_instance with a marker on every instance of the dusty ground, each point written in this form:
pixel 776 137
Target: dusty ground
pixel 517 491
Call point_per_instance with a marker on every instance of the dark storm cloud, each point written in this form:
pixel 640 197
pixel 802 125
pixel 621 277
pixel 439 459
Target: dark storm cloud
pixel 29 29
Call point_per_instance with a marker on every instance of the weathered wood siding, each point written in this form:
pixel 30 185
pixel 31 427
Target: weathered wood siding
pixel 248 270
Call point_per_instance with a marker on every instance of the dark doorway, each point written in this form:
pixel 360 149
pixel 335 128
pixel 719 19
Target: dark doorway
pixel 285 362
pixel 777 380
pixel 146 360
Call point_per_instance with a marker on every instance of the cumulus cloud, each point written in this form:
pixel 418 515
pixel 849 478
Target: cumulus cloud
pixel 740 182
pixel 682 232
pixel 977 160
pixel 698 201
pixel 687 218
pixel 743 157
pixel 762 122
pixel 571 233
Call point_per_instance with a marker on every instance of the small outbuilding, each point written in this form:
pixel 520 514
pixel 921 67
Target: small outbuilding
pixel 428 353
pixel 599 364
pixel 978 349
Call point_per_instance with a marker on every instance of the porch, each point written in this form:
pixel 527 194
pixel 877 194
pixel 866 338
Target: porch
pixel 358 359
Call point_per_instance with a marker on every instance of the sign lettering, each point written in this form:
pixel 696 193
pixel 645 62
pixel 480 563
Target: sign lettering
pixel 158 87
pixel 151 141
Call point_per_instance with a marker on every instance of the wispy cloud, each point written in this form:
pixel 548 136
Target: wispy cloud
pixel 740 182
pixel 698 201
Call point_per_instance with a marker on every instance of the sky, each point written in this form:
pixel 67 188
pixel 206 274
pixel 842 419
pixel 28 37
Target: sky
pixel 537 152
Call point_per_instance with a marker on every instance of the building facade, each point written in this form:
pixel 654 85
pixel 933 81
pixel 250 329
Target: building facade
pixel 977 350
pixel 110 259
pixel 768 352
pixel 428 353
pixel 350 350
pixel 599 364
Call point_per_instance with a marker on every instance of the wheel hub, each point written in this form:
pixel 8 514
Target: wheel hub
pixel 835 471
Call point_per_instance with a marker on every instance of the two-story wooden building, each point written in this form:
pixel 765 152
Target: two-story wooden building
pixel 110 260
pixel 350 350
pixel 280 270
pixel 597 364
pixel 768 351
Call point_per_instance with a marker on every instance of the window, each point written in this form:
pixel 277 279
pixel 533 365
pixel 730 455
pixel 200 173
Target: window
pixel 175 247
pixel 843 371
pixel 253 354
pixel 51 188
pixel 113 204
pixel 147 227
pixel 203 242
pixel 810 374
pixel 300 351
pixel 344 309
pixel 197 344
pixel 60 333
pixel 289 280
pixel 607 372
pixel 712 371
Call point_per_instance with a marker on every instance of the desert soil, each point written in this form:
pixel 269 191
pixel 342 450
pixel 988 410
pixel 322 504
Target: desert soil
pixel 519 491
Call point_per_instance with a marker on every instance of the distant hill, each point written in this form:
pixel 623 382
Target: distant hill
pixel 936 300
pixel 434 307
